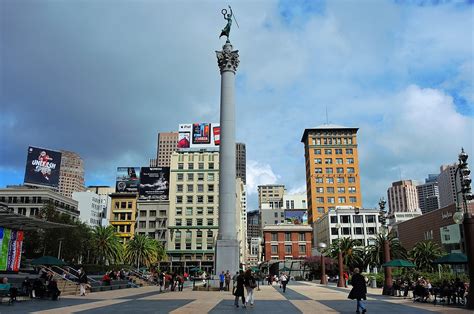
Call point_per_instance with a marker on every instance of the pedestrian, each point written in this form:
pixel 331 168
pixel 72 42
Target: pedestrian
pixel 221 281
pixel 346 279
pixel 283 281
pixel 82 281
pixel 227 280
pixel 359 290
pixel 180 283
pixel 250 284
pixel 239 289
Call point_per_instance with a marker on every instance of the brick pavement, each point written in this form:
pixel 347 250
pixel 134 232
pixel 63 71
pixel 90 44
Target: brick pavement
pixel 301 297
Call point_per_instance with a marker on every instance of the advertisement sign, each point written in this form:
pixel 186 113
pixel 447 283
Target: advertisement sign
pixel 201 133
pixel 216 130
pixel 42 167
pixel 11 242
pixel 128 179
pixel 296 217
pixel 154 183
pixel 450 234
pixel 183 139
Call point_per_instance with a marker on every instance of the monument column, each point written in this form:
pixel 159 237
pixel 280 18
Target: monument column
pixel 227 247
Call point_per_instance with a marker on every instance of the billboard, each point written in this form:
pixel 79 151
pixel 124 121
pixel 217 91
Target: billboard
pixel 154 183
pixel 128 179
pixel 42 166
pixel 199 135
pixel 296 217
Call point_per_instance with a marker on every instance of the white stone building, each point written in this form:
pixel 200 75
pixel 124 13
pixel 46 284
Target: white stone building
pixel 90 207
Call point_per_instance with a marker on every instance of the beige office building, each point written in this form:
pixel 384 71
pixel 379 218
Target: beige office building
pixel 403 197
pixel 71 174
pixel 271 194
pixel 152 219
pixel 166 145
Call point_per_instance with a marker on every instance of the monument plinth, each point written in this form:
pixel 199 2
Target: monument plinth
pixel 227 246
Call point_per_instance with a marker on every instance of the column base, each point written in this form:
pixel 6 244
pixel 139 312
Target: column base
pixel 227 256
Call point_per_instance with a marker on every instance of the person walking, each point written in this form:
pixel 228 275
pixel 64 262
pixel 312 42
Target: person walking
pixel 250 284
pixel 221 281
pixel 227 281
pixel 82 281
pixel 239 289
pixel 358 291
pixel 283 281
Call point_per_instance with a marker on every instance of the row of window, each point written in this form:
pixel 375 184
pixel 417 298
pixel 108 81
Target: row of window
pixel 200 157
pixel 356 231
pixel 341 189
pixel 122 216
pixel 332 141
pixel 123 228
pixel 338 161
pixel 331 170
pixel 199 222
pixel 301 236
pixel 152 213
pixel 190 166
pixel 151 224
pixel 189 211
pixel 198 246
pixel 288 249
pixel 34 200
pixel 330 180
pixel 199 199
pixel 340 200
pixel 190 188
pixel 355 219
pixel 200 177
pixel 123 205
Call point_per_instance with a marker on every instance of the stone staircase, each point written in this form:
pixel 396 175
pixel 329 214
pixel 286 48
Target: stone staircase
pixel 68 288
pixel 139 281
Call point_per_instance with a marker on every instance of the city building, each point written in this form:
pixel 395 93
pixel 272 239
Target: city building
pixel 193 210
pixel 437 226
pixel 103 191
pixel 332 169
pixel 271 215
pixel 123 214
pixel 241 212
pixel 447 185
pixel 255 253
pixel 71 175
pixel 152 219
pixel 396 218
pixel 167 144
pixel 241 162
pixel 271 194
pixel 29 201
pixel 403 197
pixel 287 242
pixel 428 194
pixel 295 201
pixel 253 225
pixel 90 207
pixel 355 223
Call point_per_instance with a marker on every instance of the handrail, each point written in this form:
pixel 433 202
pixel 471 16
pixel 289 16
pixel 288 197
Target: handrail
pixel 63 270
pixel 77 272
pixel 58 276
pixel 138 274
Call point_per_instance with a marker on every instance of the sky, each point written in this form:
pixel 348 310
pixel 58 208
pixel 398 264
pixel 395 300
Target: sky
pixel 102 78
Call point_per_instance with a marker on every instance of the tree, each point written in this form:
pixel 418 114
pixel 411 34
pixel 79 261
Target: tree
pixel 141 250
pixel 424 253
pixel 374 254
pixel 106 245
pixel 352 253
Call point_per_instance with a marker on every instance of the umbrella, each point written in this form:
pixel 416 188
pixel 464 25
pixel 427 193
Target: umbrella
pixel 255 269
pixel 452 259
pixel 285 269
pixel 197 269
pixel 399 263
pixel 48 260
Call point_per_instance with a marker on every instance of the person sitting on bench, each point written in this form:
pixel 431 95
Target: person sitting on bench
pixel 7 287
pixel 53 290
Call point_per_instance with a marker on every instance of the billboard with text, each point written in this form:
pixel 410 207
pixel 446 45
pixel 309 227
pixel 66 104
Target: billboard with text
pixel 128 179
pixel 199 135
pixel 154 183
pixel 42 167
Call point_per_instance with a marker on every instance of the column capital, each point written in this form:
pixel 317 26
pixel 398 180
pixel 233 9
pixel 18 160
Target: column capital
pixel 227 59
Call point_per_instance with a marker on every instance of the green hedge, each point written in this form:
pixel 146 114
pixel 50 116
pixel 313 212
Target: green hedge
pixel 434 277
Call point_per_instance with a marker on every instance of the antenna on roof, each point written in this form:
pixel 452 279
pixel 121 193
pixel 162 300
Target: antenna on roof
pixel 327 119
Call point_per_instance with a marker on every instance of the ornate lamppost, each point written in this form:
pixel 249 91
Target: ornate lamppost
pixel 465 217
pixel 321 247
pixel 387 286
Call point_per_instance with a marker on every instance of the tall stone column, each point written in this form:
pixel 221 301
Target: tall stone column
pixel 227 247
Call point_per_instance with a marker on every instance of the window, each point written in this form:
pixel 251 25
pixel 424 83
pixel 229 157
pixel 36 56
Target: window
pixel 179 188
pixel 341 189
pixel 188 246
pixel 275 215
pixel 370 218
pixel 152 224
pixel 345 219
pixel 190 176
pixel 339 161
pixel 117 205
pixel 287 236
pixel 317 151
pixel 180 176
pixel 152 213
pixel 200 199
pixel 210 177
pixel 129 205
pixel 190 166
pixel 318 161
pixel 201 166
pixel 340 180
pixel 199 221
pixel 350 170
pixel 209 234
pixel 349 150
pixel 301 237
pixel 330 190
pixel 320 210
pixel 210 210
pixel 189 222
pixel 318 190
pixel 329 180
pixel 338 151
pixel 328 151
pixel 287 249
pixel 350 161
pixel 199 211
pixel 302 249
pixel 319 180
pixel 200 188
pixel 177 246
pixel 334 219
pixel 178 235
pixel 331 200
pixel 329 170
pixel 339 170
pixel 370 230
pixel 143 213
pixel 351 179
pixel 274 236
pixel 352 189
pixel 333 231
pixel 189 199
pixel 358 230
pixel 179 222
pixel 352 199
pixel 179 211
pixel 210 222
pixel 328 161
pixel 320 200
pixel 346 231
pixel 199 234
pixel 357 219
pixel 200 176
pixel 318 170
pixel 180 166
pixel 210 187
pixel 189 211
pixel 189 188
pixel 274 249
pixel 179 199
pixel 210 199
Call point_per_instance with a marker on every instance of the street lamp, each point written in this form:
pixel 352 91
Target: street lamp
pixel 324 280
pixel 387 286
pixel 60 245
pixel 465 217
pixel 341 282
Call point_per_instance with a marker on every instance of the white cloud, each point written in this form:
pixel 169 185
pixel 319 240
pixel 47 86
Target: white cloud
pixel 297 189
pixel 259 174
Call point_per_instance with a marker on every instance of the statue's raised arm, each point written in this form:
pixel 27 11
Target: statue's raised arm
pixel 228 18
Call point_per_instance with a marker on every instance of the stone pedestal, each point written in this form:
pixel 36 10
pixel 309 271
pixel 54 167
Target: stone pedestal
pixel 227 247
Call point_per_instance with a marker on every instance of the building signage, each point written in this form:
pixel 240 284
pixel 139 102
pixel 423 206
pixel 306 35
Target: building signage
pixel 42 167
pixel 128 179
pixel 154 183
pixel 446 215
pixel 199 136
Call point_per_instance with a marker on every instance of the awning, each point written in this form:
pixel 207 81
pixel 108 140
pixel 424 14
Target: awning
pixel 14 221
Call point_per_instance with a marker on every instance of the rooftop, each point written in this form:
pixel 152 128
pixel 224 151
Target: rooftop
pixel 326 126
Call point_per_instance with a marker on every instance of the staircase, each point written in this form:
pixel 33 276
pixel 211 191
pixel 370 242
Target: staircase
pixel 67 287
pixel 139 281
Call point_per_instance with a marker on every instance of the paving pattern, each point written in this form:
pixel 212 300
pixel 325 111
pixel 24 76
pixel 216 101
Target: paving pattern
pixel 300 297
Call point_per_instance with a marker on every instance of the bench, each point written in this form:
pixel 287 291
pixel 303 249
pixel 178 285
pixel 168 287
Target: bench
pixel 5 293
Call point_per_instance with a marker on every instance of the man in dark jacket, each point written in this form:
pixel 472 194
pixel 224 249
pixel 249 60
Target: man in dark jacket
pixel 359 290
pixel 239 289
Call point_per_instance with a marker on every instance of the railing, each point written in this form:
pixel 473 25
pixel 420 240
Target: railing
pixel 59 276
pixel 71 270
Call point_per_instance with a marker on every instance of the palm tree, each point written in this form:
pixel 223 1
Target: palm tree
pixel 352 254
pixel 142 250
pixel 106 244
pixel 424 253
pixel 374 254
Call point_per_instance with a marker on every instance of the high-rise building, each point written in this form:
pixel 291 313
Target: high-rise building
pixel 428 194
pixel 332 169
pixel 447 185
pixel 271 194
pixel 403 197
pixel 253 225
pixel 71 174
pixel 90 208
pixel 167 144
pixel 241 162
pixel 103 191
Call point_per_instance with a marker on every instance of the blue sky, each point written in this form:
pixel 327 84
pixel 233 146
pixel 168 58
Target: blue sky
pixel 101 78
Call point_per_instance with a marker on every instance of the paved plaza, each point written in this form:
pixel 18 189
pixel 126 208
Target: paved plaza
pixel 300 297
